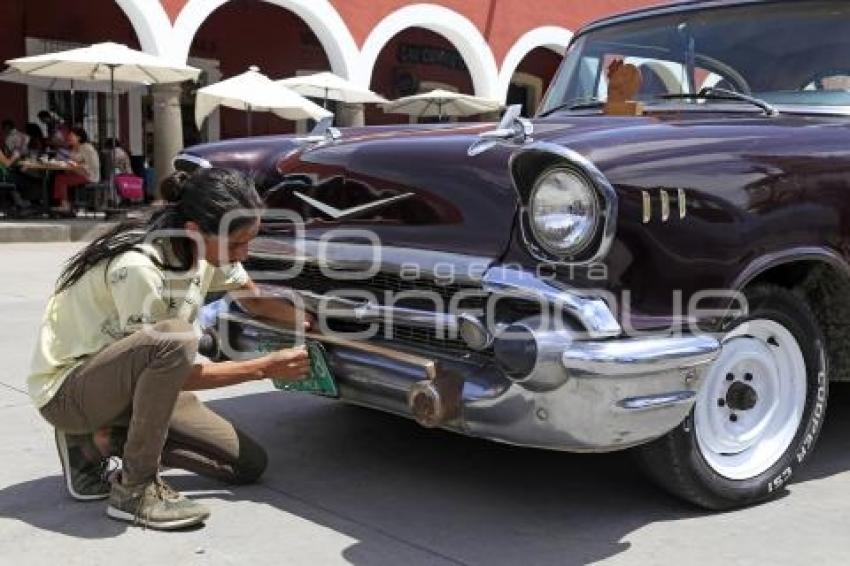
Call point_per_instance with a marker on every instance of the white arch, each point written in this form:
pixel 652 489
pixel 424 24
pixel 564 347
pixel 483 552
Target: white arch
pixel 319 15
pixel 553 37
pixel 459 30
pixel 151 24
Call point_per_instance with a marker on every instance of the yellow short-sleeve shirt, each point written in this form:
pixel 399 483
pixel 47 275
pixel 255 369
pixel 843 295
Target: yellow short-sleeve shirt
pixel 114 299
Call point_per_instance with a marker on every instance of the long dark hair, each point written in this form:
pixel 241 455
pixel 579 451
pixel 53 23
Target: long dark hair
pixel 204 197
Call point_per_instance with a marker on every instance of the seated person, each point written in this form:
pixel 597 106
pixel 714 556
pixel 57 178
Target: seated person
pixel 8 176
pixel 85 168
pixel 37 143
pixel 120 159
pixel 14 141
pixel 57 134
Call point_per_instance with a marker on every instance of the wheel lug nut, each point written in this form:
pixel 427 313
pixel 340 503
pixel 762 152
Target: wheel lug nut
pixel 748 377
pixel 730 377
pixel 733 418
pixel 721 402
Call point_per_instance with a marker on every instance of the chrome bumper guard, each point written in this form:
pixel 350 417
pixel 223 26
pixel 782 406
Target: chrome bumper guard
pixel 601 393
pixel 612 395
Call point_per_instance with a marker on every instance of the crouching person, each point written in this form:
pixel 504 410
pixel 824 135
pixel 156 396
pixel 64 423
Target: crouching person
pixel 115 362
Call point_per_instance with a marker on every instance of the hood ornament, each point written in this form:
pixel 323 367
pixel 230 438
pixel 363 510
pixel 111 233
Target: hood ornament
pixel 323 132
pixel 513 128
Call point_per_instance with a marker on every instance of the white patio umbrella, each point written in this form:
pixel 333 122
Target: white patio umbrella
pixel 14 76
pixel 329 86
pixel 252 92
pixel 439 103
pixel 110 62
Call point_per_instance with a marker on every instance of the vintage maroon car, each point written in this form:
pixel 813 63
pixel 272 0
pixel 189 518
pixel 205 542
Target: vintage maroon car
pixel 673 281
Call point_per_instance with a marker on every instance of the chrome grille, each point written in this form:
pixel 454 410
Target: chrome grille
pixel 312 279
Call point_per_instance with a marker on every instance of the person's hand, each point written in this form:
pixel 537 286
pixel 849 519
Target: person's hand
pixel 310 322
pixel 289 364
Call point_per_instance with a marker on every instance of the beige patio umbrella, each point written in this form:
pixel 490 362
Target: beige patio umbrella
pixel 106 62
pixel 329 86
pixel 14 76
pixel 440 103
pixel 252 92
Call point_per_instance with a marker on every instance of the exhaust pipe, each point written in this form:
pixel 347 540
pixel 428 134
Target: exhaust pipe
pixel 435 402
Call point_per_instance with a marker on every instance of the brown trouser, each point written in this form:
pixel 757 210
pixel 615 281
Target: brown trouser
pixel 137 383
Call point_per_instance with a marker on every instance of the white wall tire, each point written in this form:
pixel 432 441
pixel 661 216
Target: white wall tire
pixel 758 414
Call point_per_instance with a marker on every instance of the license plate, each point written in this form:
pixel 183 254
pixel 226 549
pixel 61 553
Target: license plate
pixel 320 380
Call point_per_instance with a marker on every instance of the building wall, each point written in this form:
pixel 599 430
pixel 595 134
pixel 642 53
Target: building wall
pixel 502 22
pixel 51 19
pixel 395 76
pixel 359 39
pixel 243 33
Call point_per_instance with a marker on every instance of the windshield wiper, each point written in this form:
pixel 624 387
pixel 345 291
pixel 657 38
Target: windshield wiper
pixel 714 93
pixel 575 104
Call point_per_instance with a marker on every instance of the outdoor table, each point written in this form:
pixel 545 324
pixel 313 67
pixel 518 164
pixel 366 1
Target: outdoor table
pixel 46 167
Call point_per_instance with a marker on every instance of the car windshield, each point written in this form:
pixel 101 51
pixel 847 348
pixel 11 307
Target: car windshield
pixel 785 53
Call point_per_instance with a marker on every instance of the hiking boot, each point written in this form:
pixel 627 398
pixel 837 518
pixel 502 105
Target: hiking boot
pixel 155 505
pixel 85 469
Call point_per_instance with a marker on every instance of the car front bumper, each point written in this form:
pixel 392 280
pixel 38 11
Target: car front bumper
pixel 607 394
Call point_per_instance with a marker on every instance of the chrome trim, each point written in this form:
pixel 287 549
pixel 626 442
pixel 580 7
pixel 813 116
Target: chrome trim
pixel 198 161
pixel 814 109
pixel 427 365
pixel 587 412
pixel 593 313
pixel 512 128
pixel 323 132
pixel 440 266
pixel 341 308
pixel 683 203
pixel 481 338
pixel 636 390
pixel 649 402
pixel 368 312
pixel 352 212
pixel 633 356
pixel 548 371
pixel 583 166
pixel 665 206
pixel 646 200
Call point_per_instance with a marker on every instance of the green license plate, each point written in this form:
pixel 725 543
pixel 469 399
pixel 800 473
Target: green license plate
pixel 320 380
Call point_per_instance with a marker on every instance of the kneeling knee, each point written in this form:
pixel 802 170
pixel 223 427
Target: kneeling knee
pixel 252 462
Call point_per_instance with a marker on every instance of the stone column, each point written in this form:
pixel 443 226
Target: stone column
pixel 167 129
pixel 351 115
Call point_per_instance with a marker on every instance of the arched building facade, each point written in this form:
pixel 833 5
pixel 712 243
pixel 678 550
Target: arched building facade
pixel 504 49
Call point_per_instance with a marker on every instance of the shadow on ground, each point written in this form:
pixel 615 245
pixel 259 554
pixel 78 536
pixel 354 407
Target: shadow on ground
pixel 375 477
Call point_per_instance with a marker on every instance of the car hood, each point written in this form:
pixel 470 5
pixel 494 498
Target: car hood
pixel 417 187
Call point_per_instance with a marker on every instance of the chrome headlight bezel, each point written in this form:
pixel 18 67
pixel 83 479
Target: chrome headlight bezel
pixel 585 195
pixel 527 167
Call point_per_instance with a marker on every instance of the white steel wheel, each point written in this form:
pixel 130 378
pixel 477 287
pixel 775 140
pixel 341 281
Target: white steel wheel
pixel 752 401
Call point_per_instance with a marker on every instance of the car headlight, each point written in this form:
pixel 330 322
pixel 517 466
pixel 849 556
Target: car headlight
pixel 563 211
